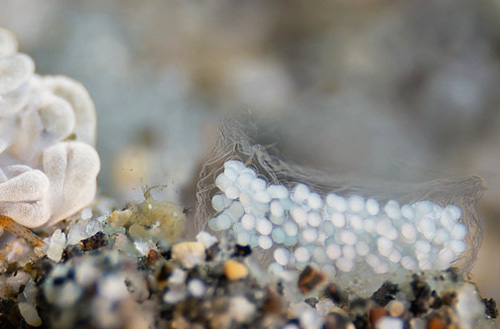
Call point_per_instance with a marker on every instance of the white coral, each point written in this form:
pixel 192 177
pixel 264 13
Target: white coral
pixel 48 164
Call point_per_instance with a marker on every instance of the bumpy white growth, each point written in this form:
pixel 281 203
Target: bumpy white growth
pixel 342 234
pixel 48 164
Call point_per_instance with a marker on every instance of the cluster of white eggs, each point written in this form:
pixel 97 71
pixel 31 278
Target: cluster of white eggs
pixel 332 232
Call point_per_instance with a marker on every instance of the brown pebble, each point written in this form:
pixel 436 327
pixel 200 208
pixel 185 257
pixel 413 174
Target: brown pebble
pixel 234 270
pixel 152 257
pixel 449 298
pixel 436 323
pixel 94 242
pixel 273 303
pixel 337 295
pixel 310 279
pixel 376 314
pixel 491 307
pixel 385 293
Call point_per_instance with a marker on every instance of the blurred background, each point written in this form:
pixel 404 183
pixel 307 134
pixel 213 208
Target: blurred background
pixel 385 88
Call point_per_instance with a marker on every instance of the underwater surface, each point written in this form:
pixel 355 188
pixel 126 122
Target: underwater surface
pixel 374 101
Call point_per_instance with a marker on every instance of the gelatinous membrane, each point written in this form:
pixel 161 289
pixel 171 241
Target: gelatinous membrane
pixel 235 144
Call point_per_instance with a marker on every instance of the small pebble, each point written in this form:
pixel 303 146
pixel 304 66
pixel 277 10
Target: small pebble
pixel 57 243
pixel 396 308
pixel 30 314
pixel 310 279
pixel 242 251
pixel 241 309
pixel 388 322
pixel 189 254
pixel 234 270
pixel 291 326
pixel 174 296
pixel 196 288
pixel 436 323
pixel 375 314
